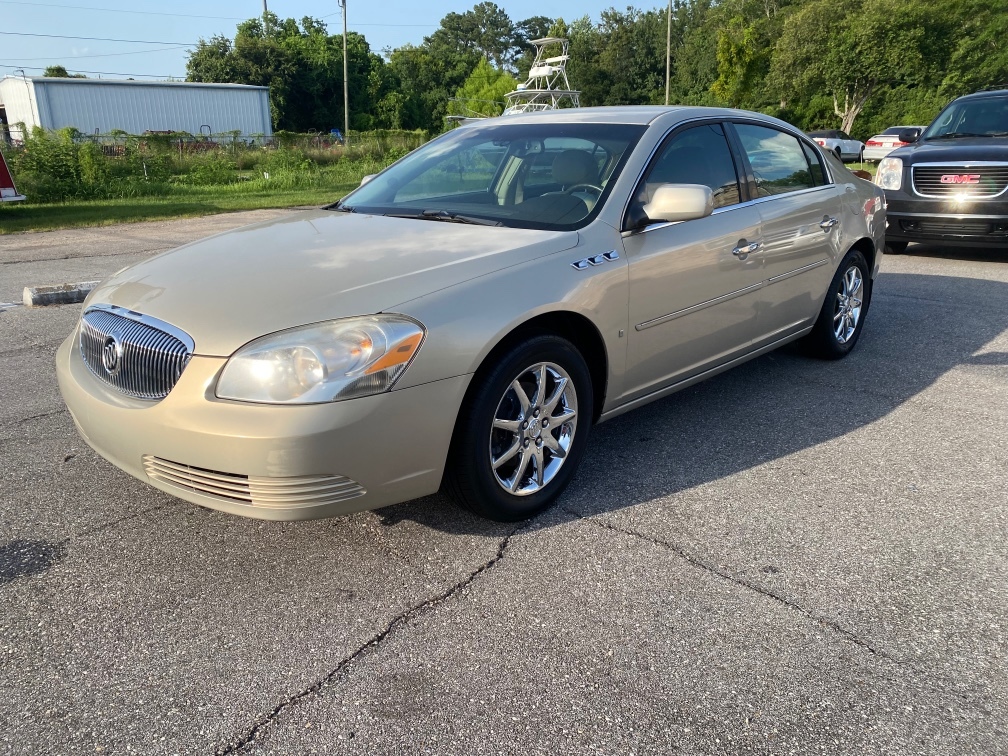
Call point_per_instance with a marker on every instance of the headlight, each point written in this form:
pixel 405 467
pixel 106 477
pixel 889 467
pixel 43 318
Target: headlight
pixel 890 173
pixel 325 362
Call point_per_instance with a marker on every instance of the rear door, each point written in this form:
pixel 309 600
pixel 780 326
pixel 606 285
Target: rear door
pixel 800 210
pixel 693 297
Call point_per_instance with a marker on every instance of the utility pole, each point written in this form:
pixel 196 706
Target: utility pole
pixel 265 9
pixel 346 83
pixel 668 50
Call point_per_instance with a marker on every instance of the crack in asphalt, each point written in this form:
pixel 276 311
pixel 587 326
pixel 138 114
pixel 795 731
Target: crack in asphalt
pixel 23 420
pixel 373 643
pixel 766 592
pixel 118 521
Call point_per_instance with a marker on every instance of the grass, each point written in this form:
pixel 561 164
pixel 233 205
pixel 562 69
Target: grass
pixel 71 181
pixel 184 202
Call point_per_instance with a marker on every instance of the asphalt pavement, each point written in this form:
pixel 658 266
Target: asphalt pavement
pixel 793 557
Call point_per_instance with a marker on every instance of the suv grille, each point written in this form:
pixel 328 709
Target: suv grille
pixel 136 354
pixel 983 181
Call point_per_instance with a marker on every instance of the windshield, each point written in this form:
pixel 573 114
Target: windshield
pixel 541 175
pixel 985 116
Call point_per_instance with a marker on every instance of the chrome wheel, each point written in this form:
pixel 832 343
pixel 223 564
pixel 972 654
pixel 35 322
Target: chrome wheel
pixel 533 429
pixel 847 311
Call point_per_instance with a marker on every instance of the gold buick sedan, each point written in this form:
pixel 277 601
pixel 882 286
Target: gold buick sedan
pixel 462 319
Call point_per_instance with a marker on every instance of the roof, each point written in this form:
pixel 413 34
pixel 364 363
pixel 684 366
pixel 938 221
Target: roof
pixel 985 93
pixel 630 114
pixel 129 83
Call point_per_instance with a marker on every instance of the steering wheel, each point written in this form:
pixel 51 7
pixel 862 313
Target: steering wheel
pixel 592 187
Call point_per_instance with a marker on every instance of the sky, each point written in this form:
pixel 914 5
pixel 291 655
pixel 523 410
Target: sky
pixel 160 32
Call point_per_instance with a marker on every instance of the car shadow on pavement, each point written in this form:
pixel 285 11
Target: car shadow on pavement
pixel 919 328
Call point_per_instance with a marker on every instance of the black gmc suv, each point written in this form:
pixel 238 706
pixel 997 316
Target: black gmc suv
pixel 951 184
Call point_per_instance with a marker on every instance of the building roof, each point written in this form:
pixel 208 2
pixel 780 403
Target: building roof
pixel 129 82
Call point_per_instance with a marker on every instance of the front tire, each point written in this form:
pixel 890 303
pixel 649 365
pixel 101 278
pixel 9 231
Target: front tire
pixel 895 248
pixel 523 431
pixel 841 318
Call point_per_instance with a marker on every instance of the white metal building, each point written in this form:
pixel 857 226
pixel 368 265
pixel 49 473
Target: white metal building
pixel 103 105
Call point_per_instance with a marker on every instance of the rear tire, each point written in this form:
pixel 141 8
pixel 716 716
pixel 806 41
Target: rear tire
pixel 841 319
pixel 522 432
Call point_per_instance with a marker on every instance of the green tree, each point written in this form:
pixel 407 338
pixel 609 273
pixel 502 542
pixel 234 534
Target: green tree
pixel 850 49
pixel 60 72
pixel 303 67
pixel 483 93
pixel 486 31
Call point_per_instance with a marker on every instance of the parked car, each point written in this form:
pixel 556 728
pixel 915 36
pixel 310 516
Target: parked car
pixel 841 145
pixel 464 317
pixel 882 144
pixel 951 184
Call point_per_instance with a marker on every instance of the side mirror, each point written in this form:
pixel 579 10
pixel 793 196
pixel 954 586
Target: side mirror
pixel 367 178
pixel 679 202
pixel 909 135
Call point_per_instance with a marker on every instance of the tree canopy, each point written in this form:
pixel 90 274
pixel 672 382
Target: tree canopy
pixel 859 65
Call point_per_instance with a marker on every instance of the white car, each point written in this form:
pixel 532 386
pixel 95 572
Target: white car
pixel 839 143
pixel 882 144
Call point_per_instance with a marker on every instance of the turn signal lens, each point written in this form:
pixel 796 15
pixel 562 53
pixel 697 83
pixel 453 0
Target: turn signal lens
pixel 340 359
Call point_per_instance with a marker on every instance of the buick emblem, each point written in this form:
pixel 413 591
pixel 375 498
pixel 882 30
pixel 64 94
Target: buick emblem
pixel 111 355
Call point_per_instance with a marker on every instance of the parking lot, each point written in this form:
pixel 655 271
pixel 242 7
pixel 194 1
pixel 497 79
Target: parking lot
pixel 793 557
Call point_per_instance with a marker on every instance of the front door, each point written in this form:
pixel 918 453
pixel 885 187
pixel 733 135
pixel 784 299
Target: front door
pixel 694 292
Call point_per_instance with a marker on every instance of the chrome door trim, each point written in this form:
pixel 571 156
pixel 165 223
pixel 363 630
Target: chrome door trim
pixel 797 271
pixel 687 382
pixel 700 306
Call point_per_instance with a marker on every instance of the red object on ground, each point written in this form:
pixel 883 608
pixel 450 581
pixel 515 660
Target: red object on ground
pixel 7 191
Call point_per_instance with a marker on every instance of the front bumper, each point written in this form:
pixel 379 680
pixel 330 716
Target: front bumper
pixel 981 223
pixel 392 446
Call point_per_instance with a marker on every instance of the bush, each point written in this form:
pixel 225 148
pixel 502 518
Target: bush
pixel 65 165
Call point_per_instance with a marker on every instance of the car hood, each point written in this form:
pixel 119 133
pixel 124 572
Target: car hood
pixel 954 151
pixel 229 289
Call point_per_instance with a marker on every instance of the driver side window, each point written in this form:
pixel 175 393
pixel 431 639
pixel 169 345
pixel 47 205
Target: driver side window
pixel 698 155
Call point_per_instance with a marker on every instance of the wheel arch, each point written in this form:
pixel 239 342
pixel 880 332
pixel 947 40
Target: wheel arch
pixel 576 328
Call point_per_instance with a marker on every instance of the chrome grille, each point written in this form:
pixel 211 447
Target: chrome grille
pixel 272 493
pixel 992 180
pixel 140 356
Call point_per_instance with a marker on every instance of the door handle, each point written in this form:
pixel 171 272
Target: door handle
pixel 828 223
pixel 744 249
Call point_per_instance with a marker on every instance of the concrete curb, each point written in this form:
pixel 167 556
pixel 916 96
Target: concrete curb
pixel 40 296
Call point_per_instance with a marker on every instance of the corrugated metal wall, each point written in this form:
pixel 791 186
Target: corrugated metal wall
pixel 18 103
pixel 135 107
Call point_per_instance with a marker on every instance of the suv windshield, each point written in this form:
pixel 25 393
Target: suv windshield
pixel 542 175
pixel 982 116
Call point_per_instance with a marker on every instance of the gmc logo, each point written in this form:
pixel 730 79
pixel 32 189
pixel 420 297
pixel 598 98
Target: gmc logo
pixel 965 178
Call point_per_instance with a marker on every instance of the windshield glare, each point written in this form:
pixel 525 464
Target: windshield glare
pixel 987 116
pixel 548 176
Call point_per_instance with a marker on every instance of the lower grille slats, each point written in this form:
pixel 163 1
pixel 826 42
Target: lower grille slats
pixel 275 493
pixel 140 356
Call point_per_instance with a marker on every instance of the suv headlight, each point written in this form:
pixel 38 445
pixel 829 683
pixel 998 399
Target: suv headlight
pixel 890 173
pixel 324 362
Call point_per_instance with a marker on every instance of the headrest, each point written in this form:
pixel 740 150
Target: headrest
pixel 574 167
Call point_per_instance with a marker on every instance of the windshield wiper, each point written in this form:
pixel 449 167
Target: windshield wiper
pixel 444 216
pixel 449 217
pixel 340 208
pixel 958 135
